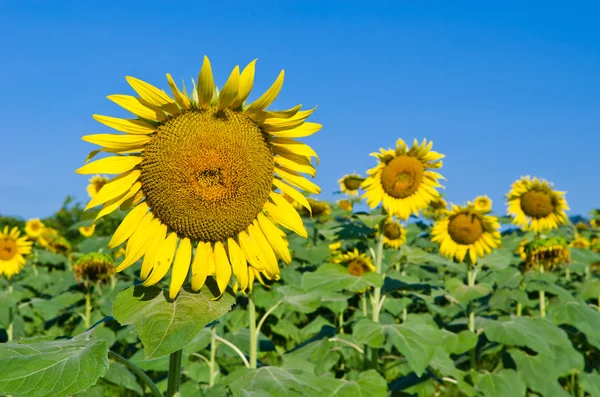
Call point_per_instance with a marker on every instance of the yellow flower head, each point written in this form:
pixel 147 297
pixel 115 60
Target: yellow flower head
pixel 403 180
pixel 350 184
pixel 394 234
pixel 437 209
pixel 96 183
pixel 580 226
pixel 318 210
pixel 346 205
pixel 534 205
pixel 580 242
pixel 356 263
pixel 60 245
pixel 482 204
pixel 205 169
pixel 13 248
pixel 33 228
pixel 466 231
pixel 94 268
pixel 48 235
pixel 87 231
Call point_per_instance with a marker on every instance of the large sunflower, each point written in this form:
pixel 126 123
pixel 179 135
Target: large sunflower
pixel 96 183
pixel 394 234
pixel 403 180
pixel 12 250
pixel 34 228
pixel 204 170
pixel 466 231
pixel 350 184
pixel 536 206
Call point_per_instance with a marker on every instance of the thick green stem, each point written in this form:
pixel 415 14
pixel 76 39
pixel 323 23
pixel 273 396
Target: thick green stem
pixel 253 335
pixel 363 304
pixel 174 377
pixel 213 355
pixel 88 309
pixel 10 329
pixel 137 371
pixel 341 321
pixel 471 275
pixel 376 298
pixel 315 234
pixel 542 297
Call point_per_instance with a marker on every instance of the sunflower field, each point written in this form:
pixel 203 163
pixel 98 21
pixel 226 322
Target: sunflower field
pixel 205 264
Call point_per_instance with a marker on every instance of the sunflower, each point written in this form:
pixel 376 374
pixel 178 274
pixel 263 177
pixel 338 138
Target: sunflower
pixel 595 223
pixel 437 209
pixel 394 234
pixel 12 250
pixel 482 204
pixel 466 231
pixel 87 231
pixel 580 242
pixel 545 251
pixel 94 267
pixel 200 170
pixel 535 206
pixel 318 210
pixel 580 226
pixel 47 236
pixel 356 263
pixel 345 205
pixel 350 184
pixel 60 245
pixel 33 228
pixel 403 180
pixel 96 183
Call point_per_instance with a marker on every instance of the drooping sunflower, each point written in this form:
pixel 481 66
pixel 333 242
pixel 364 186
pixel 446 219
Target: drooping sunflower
pixel 13 248
pixel 394 234
pixel 48 235
pixel 483 204
pixel 548 252
pixel 87 231
pixel 96 183
pixel 205 170
pixel 33 228
pixel 349 184
pixel 437 209
pixel 60 245
pixel 535 205
pixel 403 180
pixel 319 210
pixel 94 268
pixel 466 231
pixel 357 263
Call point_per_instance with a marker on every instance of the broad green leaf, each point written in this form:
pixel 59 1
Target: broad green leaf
pixel 120 375
pixel 552 288
pixel 505 383
pixel 165 326
pixel 369 333
pixel 93 244
pixel 464 293
pixel 334 277
pixel 498 260
pixel 50 258
pixel 590 289
pixel 313 255
pixel 50 309
pixel 368 384
pixel 585 256
pixel 300 300
pixel 538 373
pixel 277 381
pixel 466 341
pixel 590 382
pixel 52 368
pixel 580 316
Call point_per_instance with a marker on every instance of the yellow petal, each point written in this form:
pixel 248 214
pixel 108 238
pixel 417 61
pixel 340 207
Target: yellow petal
pixel 280 114
pixel 245 84
pixel 277 123
pixel 296 180
pixel 138 243
pixel 110 165
pixel 273 235
pixel 153 95
pixel 296 163
pixel 284 214
pixel 181 99
pixel 222 267
pixel 250 251
pixel 306 129
pixel 126 125
pixel 117 141
pixel 268 97
pixel 200 265
pixel 287 145
pixel 149 258
pixel 230 90
pixel 181 265
pixel 162 260
pixel 206 84
pixel 139 107
pixel 114 188
pixel 238 263
pixel 264 248
pixel 111 205
pixel 293 193
pixel 128 225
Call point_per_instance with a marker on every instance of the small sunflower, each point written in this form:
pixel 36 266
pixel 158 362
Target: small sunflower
pixel 580 226
pixel 535 206
pixel 205 170
pixel 482 204
pixel 60 245
pixel 595 223
pixel 87 231
pixel 318 210
pixel 12 251
pixel 346 205
pixel 394 234
pixel 47 236
pixel 437 209
pixel 96 183
pixel 94 267
pixel 33 228
pixel 466 231
pixel 548 252
pixel 580 242
pixel 403 181
pixel 349 184
pixel 356 263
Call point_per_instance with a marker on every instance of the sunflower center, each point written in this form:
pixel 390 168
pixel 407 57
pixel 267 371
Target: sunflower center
pixel 207 173
pixel 402 176
pixel 537 204
pixel 392 231
pixel 356 268
pixel 8 249
pixel 352 183
pixel 465 228
pixel 35 227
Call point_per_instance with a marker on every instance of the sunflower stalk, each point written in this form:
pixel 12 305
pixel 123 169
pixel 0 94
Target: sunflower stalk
pixel 88 309
pixel 376 300
pixel 253 335
pixel 542 295
pixel 174 377
pixel 471 276
pixel 137 371
pixel 10 329
pixel 212 364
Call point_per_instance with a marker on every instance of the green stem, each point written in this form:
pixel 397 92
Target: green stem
pixel 174 377
pixel 376 298
pixel 315 234
pixel 253 335
pixel 542 297
pixel 10 329
pixel 341 321
pixel 137 371
pixel 88 309
pixel 471 276
pixel 213 355
pixel 363 304
pixel 567 274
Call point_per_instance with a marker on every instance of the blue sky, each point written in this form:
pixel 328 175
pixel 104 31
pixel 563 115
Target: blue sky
pixel 504 89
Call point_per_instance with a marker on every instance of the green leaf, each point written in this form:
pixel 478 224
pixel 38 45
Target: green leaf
pixel 464 293
pixel 417 342
pixel 335 277
pixel 300 300
pixel 50 309
pixel 505 383
pixel 277 381
pixel 93 244
pixel 580 316
pixel 368 332
pixel 313 255
pixel 590 289
pixel 590 382
pixel 50 258
pixel 165 326
pixel 120 375
pixel 466 341
pixel 368 384
pixel 538 373
pixel 498 260
pixel 52 368
pixel 585 256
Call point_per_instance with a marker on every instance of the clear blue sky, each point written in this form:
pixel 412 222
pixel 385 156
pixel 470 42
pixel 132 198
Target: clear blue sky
pixel 504 89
